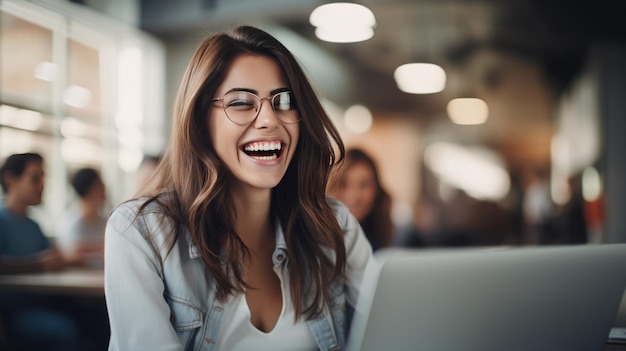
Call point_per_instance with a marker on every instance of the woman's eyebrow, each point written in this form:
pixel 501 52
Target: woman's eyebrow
pixel 273 92
pixel 279 90
pixel 242 89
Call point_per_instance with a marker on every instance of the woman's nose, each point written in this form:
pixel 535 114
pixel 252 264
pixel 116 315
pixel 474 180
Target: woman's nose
pixel 266 117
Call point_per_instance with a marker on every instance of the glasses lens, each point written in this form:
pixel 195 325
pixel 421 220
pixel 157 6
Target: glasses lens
pixel 285 107
pixel 283 102
pixel 240 106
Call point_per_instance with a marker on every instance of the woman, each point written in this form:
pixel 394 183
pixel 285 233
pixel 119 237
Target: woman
pixel 360 189
pixel 235 246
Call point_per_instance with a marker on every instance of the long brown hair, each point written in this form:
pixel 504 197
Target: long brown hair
pixel 191 183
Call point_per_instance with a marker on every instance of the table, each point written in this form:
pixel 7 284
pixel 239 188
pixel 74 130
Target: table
pixel 85 282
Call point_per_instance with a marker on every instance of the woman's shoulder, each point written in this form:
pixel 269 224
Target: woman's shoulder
pixel 146 216
pixel 352 232
pixel 335 205
pixel 143 210
pixel 341 211
pixel 137 206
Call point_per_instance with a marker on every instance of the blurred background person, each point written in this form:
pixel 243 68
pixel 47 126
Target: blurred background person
pixel 23 246
pixel 82 240
pixel 34 321
pixel 358 187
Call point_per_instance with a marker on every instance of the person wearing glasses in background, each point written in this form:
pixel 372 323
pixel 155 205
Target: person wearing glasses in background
pixel 235 245
pixel 32 321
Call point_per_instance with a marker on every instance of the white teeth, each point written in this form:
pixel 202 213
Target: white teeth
pixel 263 146
pixel 267 158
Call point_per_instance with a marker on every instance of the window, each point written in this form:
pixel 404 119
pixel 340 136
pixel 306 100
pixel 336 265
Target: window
pixel 75 87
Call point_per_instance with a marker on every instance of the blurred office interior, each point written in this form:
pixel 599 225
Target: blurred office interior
pixel 92 82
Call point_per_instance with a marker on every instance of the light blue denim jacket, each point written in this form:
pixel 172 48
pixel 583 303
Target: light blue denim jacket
pixel 161 301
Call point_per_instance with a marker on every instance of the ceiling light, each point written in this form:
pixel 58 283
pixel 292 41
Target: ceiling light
pixel 358 119
pixel 72 127
pixel 129 159
pixel 420 78
pixel 560 153
pixel 343 22
pixel 468 111
pixel 20 118
pixel 45 71
pixel 344 35
pixel 28 119
pixel 80 150
pixel 591 184
pixel 77 96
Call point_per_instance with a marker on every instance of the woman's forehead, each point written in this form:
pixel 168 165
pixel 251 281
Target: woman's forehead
pixel 258 73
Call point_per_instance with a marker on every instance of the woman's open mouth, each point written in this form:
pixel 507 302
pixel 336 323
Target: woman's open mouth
pixel 264 150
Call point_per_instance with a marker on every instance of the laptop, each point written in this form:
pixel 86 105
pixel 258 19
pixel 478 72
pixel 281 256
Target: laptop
pixel 477 299
pixel 618 332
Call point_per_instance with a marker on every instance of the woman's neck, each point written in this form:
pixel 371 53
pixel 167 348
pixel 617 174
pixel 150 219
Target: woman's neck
pixel 253 223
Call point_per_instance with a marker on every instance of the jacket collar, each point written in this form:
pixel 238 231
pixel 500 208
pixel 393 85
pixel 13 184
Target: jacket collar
pixel 281 245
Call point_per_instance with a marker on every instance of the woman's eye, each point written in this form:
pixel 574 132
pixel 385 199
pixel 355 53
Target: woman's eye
pixel 283 102
pixel 281 106
pixel 241 104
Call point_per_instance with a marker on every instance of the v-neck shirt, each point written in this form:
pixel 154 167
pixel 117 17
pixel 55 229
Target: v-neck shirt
pixel 239 334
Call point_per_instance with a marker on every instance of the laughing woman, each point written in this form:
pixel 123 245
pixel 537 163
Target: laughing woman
pixel 234 245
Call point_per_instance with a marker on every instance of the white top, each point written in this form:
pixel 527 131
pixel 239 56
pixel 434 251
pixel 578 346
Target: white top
pixel 238 333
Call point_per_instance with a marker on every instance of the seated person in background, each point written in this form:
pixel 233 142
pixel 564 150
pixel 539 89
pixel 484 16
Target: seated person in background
pixel 23 246
pixel 359 188
pixel 30 319
pixel 82 240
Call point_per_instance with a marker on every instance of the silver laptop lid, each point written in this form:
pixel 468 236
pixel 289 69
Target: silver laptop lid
pixel 529 298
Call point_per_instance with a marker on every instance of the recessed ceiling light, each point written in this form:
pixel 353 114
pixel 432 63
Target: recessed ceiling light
pixel 77 96
pixel 420 78
pixel 358 119
pixel 45 71
pixel 468 111
pixel 343 22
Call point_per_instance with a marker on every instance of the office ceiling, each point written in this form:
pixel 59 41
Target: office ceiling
pixel 447 32
pixel 515 54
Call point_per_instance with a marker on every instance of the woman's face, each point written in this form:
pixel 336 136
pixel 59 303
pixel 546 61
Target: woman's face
pixel 258 153
pixel 357 189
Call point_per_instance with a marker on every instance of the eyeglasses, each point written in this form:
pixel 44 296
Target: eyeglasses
pixel 242 107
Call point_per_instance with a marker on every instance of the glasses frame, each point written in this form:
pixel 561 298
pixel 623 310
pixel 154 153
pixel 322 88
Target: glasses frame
pixel 260 99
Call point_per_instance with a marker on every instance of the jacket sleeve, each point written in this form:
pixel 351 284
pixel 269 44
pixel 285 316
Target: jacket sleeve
pixel 361 269
pixel 139 316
